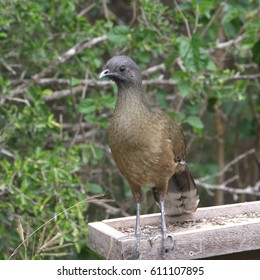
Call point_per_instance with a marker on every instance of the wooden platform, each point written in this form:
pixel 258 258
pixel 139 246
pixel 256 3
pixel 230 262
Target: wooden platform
pixel 209 232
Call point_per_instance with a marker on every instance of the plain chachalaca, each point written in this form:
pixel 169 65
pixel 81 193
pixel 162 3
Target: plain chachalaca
pixel 148 147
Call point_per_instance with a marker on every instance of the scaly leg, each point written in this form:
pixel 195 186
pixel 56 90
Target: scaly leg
pixel 164 228
pixel 138 227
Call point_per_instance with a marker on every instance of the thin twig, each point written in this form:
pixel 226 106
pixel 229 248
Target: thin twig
pixel 251 190
pixel 54 254
pixel 157 82
pixel 78 89
pixel 96 83
pixel 7 66
pixel 196 19
pixel 184 19
pixel 7 153
pixel 86 10
pixel 243 77
pixel 56 247
pixel 85 44
pixel 227 44
pixel 89 200
pixel 110 209
pixel 227 167
pixel 51 242
pixel 134 17
pixel 61 59
pixel 212 19
pixel 179 62
pixel 153 69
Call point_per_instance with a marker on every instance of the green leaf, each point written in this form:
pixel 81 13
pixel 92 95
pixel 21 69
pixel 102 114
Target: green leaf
pixel 161 97
pixel 95 188
pixel 231 12
pixel 181 116
pixel 195 48
pixel 194 56
pixel 171 58
pixel 256 53
pixel 87 106
pixel 47 91
pixel 184 88
pixel 184 45
pixel 74 82
pixel 195 122
pixel 119 34
pixel 3 35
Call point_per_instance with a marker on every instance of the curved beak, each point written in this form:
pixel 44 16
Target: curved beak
pixel 109 74
pixel 105 73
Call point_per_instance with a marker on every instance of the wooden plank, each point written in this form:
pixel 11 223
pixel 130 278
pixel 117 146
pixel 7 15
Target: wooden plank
pixel 206 241
pixel 103 240
pixel 201 213
pixel 197 244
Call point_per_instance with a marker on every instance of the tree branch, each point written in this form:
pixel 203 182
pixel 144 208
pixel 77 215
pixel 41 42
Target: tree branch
pixel 229 43
pixel 110 210
pixel 184 19
pixel 251 190
pixel 85 44
pixel 227 167
pixel 243 77
pixel 61 59
pixel 153 69
pixel 212 19
pixel 94 83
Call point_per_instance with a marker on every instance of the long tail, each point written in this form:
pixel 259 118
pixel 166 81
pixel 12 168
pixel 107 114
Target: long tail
pixel 182 195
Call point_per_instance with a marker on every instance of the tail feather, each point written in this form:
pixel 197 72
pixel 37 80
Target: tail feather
pixel 182 195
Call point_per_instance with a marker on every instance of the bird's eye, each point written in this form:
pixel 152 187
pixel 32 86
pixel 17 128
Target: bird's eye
pixel 122 68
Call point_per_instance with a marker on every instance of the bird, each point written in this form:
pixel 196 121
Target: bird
pixel 148 146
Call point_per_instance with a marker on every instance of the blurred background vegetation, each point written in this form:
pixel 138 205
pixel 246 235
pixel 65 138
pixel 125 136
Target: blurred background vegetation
pixel 200 61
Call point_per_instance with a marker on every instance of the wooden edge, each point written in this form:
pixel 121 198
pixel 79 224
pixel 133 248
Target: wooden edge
pixel 130 221
pixel 201 213
pixel 209 241
pixel 103 239
pixel 203 243
pixel 193 244
pixel 255 221
pixel 106 229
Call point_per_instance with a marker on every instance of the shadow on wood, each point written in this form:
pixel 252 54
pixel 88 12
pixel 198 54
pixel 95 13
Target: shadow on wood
pixel 207 233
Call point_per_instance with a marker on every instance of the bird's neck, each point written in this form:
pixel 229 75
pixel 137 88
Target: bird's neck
pixel 130 115
pixel 131 100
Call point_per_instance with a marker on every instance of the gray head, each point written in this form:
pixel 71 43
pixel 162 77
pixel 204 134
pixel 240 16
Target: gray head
pixel 123 71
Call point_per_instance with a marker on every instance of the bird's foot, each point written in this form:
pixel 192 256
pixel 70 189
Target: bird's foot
pixel 167 243
pixel 135 240
pixel 165 236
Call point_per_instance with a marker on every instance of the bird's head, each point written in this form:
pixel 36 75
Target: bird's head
pixel 123 71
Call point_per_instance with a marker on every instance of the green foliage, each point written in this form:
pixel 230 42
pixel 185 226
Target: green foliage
pixel 53 126
pixel 119 35
pixel 256 52
pixel 93 107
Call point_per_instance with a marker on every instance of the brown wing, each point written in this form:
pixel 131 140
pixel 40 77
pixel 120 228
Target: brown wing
pixel 182 194
pixel 175 135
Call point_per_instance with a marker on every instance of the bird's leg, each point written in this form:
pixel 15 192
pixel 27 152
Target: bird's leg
pixel 138 227
pixel 164 228
pixel 137 231
pixel 168 243
pixel 161 196
pixel 137 193
pixel 135 252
